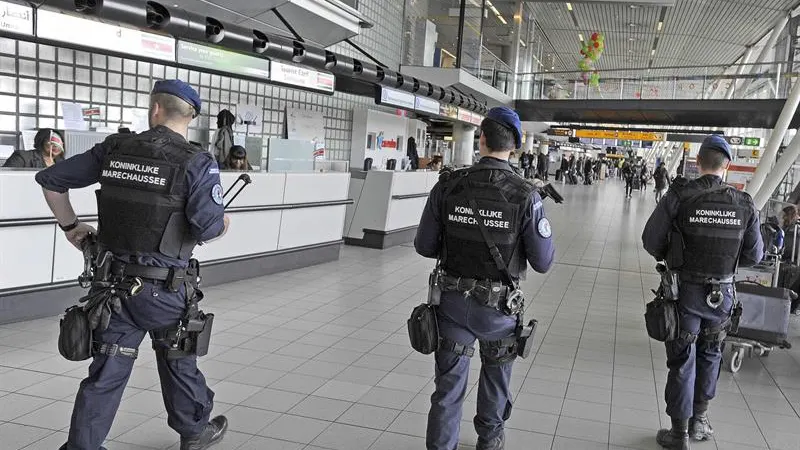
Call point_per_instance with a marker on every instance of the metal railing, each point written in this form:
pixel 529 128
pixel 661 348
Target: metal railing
pixel 493 71
pixel 748 81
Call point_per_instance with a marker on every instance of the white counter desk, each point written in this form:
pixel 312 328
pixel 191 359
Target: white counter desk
pixel 387 206
pixel 279 222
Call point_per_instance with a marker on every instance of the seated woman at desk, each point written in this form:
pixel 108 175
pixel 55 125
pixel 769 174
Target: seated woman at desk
pixel 48 149
pixel 435 164
pixel 237 160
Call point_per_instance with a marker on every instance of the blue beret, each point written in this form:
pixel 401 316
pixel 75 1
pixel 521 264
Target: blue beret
pixel 718 143
pixel 508 118
pixel 179 89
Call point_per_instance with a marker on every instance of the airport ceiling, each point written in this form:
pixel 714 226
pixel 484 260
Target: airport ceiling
pixel 692 32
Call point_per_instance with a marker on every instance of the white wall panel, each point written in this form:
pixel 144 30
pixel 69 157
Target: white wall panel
pixel 315 187
pixel 309 226
pixel 26 255
pixel 406 183
pixel 405 213
pixel 266 189
pixel 249 233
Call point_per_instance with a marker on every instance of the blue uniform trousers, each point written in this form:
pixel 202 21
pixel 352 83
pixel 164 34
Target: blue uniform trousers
pixel 694 367
pixel 464 320
pixel 187 398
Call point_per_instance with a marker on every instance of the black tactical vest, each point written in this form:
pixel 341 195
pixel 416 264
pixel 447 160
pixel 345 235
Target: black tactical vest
pixel 502 198
pixel 143 193
pixel 712 218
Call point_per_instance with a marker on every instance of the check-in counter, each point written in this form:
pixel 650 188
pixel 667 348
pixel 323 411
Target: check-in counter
pixel 281 221
pixel 386 206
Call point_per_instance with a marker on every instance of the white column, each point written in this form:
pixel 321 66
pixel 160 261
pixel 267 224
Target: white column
pixel 776 175
pixel 529 142
pixel 775 138
pixel 463 143
pixel 676 158
pixel 773 38
pixel 745 60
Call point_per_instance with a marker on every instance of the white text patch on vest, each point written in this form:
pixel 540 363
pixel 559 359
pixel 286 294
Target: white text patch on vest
pixel 148 179
pixel 715 217
pixel 141 168
pixel 469 220
pixel 481 212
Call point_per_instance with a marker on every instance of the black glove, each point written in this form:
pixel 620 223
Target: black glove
pixel 99 307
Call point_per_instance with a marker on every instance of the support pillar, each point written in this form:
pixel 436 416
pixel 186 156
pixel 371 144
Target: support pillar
pixel 463 144
pixel 529 142
pixel 790 155
pixel 775 138
pixel 773 38
pixel 739 71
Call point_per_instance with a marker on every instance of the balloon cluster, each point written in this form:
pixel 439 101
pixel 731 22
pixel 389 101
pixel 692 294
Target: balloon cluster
pixel 590 52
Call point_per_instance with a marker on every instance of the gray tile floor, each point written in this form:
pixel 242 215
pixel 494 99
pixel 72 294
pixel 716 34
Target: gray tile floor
pixel 318 358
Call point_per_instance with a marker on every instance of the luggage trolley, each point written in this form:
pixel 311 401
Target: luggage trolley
pixel 765 310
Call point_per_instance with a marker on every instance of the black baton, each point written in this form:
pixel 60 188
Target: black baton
pixel 244 178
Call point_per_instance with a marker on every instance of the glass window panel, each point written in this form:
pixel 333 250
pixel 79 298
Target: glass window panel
pixel 99 61
pixel 47 70
pixel 8 84
pixel 82 58
pixel 8 122
pixel 114 97
pixel 128 98
pixel 66 91
pixel 27 105
pixel 115 63
pixel 47 89
pixel 47 107
pixel 47 122
pixel 66 55
pixel 98 95
pixel 99 77
pixel 27 122
pixel 8 103
pixel 83 93
pixel 113 113
pixel 114 80
pixel 65 73
pixel 83 76
pixel 47 52
pixel 8 46
pixel 170 73
pixel 27 49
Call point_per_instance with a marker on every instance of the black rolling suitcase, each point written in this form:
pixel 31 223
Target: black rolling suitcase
pixel 637 183
pixel 765 313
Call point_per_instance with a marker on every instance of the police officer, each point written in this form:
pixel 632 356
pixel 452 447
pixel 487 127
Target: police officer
pixel 513 215
pixel 158 197
pixel 719 228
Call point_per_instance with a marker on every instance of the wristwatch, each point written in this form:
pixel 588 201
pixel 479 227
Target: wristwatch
pixel 70 227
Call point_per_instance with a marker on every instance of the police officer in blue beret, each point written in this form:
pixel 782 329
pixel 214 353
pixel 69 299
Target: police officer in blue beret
pixel 159 196
pixel 703 229
pixel 476 302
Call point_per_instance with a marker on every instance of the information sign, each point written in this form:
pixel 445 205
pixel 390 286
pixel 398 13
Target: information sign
pixel 16 18
pixel 393 97
pixel 752 141
pixel 213 58
pixel 427 105
pixel 301 77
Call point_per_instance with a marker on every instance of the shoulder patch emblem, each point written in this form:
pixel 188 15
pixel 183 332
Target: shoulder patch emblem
pixel 543 227
pixel 216 194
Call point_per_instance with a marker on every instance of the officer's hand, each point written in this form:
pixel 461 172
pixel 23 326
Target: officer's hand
pixel 226 219
pixel 76 235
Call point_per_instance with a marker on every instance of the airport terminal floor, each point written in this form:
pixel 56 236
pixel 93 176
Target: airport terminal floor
pixel 318 358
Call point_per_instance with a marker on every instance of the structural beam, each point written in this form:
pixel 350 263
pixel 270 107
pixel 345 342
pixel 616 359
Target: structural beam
pixel 780 170
pixel 739 71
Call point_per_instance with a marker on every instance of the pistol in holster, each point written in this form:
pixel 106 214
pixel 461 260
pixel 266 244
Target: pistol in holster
pixel 669 286
pixel 435 286
pixel 524 334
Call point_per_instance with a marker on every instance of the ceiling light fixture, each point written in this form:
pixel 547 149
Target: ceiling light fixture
pixel 632 25
pixel 660 25
pixel 501 19
pixel 631 39
pixel 652 52
pixel 569 6
pixel 522 43
pixel 449 54
pixel 635 6
pixel 580 36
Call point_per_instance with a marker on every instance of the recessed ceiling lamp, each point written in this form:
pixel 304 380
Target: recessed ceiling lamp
pixel 631 39
pixel 632 25
pixel 660 25
pixel 522 43
pixel 569 6
pixel 652 52
pixel 635 6
pixel 580 36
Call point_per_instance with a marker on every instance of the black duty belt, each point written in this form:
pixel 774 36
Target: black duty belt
pixel 147 272
pixel 702 279
pixel 451 283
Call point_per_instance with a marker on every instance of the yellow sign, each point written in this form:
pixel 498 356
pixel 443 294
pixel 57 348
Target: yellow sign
pixel 755 153
pixel 623 135
pixel 687 146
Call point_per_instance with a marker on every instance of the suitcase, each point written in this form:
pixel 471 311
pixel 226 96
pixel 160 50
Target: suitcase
pixel 765 313
pixel 637 183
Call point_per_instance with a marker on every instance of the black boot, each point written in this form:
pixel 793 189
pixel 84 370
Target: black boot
pixel 212 434
pixel 699 427
pixel 498 443
pixel 676 438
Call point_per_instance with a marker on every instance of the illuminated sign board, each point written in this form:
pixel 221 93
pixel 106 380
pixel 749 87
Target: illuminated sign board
pixel 464 115
pixel 448 110
pixel 623 135
pixel 427 105
pixel 752 141
pixel 221 60
pixel 564 132
pixel 301 77
pixel 393 97
pixel 477 119
pixel 16 18
pixel 103 36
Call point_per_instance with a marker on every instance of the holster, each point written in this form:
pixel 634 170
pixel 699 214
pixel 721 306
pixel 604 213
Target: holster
pixel 191 338
pixel 524 335
pixel 661 319
pixel 669 283
pixel 423 329
pixel 75 336
pixel 435 287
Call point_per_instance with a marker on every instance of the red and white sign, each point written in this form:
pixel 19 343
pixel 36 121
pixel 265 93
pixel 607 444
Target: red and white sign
pixel 300 76
pixel 739 174
pixel 389 143
pixel 91 33
pixel 464 115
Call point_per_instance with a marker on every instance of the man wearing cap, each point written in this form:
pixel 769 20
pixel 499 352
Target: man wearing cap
pixel 703 229
pixel 159 196
pixel 513 216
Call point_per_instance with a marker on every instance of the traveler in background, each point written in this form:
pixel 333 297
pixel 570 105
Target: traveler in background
pixel 789 222
pixel 588 168
pixel 223 137
pixel 525 161
pixel 706 261
pixel 48 149
pixel 161 197
pixel 628 172
pixel 564 168
pixel 464 256
pixel 542 166
pixel 237 160
pixel 661 180
pixel 411 152
pixel 645 174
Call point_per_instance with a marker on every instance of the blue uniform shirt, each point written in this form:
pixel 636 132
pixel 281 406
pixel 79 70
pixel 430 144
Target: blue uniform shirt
pixel 656 233
pixel 538 250
pixel 205 216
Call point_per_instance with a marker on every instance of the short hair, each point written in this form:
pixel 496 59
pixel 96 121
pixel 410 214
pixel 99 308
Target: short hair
pixel 174 107
pixel 498 137
pixel 710 159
